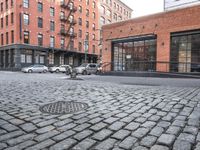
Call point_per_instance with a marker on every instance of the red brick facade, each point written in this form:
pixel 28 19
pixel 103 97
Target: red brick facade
pixel 161 24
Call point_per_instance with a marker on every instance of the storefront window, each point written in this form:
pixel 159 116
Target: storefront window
pixel 134 55
pixel 185 53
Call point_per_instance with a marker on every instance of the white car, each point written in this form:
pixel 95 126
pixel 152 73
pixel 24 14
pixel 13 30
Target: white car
pixel 61 68
pixel 35 68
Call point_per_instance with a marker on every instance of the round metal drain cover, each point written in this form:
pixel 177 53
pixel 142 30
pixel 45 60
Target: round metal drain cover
pixel 63 107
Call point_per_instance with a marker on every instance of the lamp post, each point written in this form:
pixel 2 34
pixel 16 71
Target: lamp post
pixel 86 49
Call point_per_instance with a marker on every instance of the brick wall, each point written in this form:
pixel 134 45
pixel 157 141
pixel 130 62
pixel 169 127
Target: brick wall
pixel 161 24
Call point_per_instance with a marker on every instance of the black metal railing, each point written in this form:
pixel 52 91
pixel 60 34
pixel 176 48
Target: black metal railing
pixel 152 66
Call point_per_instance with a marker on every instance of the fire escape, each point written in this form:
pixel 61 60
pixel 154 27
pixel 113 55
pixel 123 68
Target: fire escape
pixel 68 19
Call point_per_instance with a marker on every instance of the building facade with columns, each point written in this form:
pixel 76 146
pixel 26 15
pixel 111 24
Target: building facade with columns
pixel 163 42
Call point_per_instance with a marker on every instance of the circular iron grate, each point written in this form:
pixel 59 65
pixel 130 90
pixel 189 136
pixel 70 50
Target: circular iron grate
pixel 63 107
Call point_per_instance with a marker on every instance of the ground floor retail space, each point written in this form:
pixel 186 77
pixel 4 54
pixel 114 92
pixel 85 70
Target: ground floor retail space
pixel 17 56
pixel 140 53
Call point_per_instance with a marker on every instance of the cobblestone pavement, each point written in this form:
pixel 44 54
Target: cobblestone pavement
pixel 119 117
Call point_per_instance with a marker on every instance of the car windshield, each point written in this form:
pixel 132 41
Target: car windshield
pixel 83 65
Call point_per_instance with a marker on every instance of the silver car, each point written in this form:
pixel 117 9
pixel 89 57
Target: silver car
pixel 62 68
pixel 87 68
pixel 35 68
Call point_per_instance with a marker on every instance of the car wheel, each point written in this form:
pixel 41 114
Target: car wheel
pixel 84 72
pixel 30 71
pixel 45 71
pixel 67 72
pixel 57 70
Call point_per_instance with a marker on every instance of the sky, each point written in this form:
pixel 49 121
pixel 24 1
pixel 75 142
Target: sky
pixel 144 7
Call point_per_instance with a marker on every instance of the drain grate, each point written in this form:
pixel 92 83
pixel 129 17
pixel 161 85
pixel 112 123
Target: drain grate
pixel 63 107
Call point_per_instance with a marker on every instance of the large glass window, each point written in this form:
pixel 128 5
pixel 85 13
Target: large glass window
pixel 134 55
pixel 185 53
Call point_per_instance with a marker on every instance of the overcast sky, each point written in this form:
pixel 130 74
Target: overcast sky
pixel 144 7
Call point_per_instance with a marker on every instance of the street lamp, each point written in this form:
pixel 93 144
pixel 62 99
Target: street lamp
pixel 86 49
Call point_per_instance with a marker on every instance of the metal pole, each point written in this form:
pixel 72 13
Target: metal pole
pixel 85 42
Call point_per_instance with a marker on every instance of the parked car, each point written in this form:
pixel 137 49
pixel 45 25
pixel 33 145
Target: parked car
pixel 35 68
pixel 62 68
pixel 195 67
pixel 88 68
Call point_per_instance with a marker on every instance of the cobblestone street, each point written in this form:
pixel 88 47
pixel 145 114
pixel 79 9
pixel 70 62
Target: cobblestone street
pixel 119 116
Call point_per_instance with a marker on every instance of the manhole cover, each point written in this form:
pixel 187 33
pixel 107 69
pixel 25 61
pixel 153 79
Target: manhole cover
pixel 63 107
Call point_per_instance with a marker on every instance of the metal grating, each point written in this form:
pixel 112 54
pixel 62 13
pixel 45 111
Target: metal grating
pixel 63 107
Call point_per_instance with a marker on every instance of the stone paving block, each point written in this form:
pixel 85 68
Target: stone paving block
pixel 20 139
pixel 148 124
pixel 127 119
pixel 3 146
pixel 65 144
pixel 80 136
pixel 111 120
pixel 191 130
pixel 95 120
pixel 197 147
pixel 63 122
pixel 193 122
pixel 140 132
pixel 46 123
pixel 101 135
pixel 179 123
pixel 156 131
pixel 173 130
pixel 9 127
pixel 154 118
pixel 128 142
pixel 81 127
pixel 2 132
pixel 163 124
pixel 46 135
pixel 11 135
pixel 84 145
pixel 139 148
pixel 132 126
pixel 22 145
pixel 45 129
pixel 16 121
pixel 198 137
pixel 28 127
pixel 63 135
pixel 121 134
pixel 67 127
pixel 98 126
pixel 106 145
pixel 187 137
pixel 182 145
pixel 148 141
pixel 159 147
pixel 42 145
pixel 2 122
pixel 140 120
pixel 121 115
pixel 166 139
pixel 116 126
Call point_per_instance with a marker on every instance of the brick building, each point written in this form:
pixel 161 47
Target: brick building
pixel 111 11
pixel 166 42
pixel 50 32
